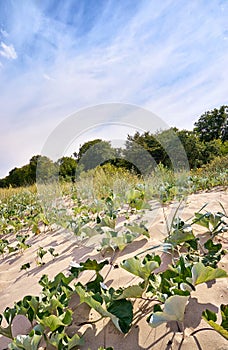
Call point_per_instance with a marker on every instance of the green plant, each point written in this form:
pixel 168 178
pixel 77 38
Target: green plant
pixel 211 318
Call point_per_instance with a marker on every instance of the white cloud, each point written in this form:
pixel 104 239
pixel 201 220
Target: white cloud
pixel 8 51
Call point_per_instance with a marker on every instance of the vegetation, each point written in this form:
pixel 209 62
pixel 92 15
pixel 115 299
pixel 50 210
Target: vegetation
pixel 103 206
pixel 167 292
pixel 141 154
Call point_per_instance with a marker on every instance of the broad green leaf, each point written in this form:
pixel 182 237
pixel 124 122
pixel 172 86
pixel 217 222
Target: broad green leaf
pixel 210 317
pixel 139 229
pixel 95 286
pixel 53 322
pixel 181 235
pixel 140 268
pixel 87 265
pixel 74 341
pixel 9 314
pixel 201 273
pixel 123 310
pixel 202 220
pixel 211 247
pixel 130 292
pixel 87 297
pixel 6 331
pixel 62 341
pixel 224 313
pixel 174 309
pixel 11 249
pixel 56 339
pixel 66 317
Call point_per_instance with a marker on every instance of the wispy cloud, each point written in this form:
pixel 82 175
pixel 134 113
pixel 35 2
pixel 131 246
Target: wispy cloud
pixel 170 57
pixel 8 51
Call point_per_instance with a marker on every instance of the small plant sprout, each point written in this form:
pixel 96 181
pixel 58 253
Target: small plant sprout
pixel 40 254
pixel 52 252
pixel 25 266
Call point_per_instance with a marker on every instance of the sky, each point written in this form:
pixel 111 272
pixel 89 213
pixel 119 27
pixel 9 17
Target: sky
pixel 60 56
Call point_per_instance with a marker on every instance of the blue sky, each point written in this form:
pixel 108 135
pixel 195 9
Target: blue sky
pixel 57 57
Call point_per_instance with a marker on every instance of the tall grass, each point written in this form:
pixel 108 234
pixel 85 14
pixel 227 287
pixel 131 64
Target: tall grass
pixel 6 193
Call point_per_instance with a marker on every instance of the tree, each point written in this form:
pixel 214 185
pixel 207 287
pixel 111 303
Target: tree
pixel 94 153
pixel 42 169
pixel 194 148
pixel 84 148
pixel 213 125
pixel 144 151
pixel 67 168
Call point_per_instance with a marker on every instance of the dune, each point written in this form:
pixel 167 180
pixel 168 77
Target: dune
pixel 16 283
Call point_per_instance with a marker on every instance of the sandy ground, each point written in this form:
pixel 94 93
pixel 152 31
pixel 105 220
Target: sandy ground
pixel 15 284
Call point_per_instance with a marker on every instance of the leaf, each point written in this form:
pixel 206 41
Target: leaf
pixel 25 266
pixel 140 268
pixel 182 235
pixel 211 247
pixel 174 309
pixel 202 220
pixel 74 341
pixel 11 249
pixel 130 292
pixel 52 252
pixel 210 315
pixel 88 298
pixel 211 318
pixel 41 252
pixel 62 341
pixel 87 265
pixel 139 229
pixel 9 314
pixel 214 254
pixel 224 313
pixel 28 342
pixel 123 310
pixel 54 322
pixel 95 286
pixel 201 273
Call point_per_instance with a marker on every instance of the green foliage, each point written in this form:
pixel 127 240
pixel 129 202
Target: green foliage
pixel 28 342
pixel 214 222
pixel 25 266
pixel 180 232
pixel 102 218
pixel 67 168
pixel 143 268
pixel 213 125
pixel 201 273
pixel 94 153
pixel 211 318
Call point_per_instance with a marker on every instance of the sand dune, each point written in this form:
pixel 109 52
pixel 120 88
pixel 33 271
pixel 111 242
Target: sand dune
pixel 15 284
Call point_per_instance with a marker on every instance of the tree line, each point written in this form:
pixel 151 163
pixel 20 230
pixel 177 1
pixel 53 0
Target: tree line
pixel 142 152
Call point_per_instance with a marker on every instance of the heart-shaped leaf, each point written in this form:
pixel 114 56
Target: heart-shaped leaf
pixel 201 273
pixel 140 268
pixel 174 309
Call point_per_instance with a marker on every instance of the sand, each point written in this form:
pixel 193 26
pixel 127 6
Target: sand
pixel 15 284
